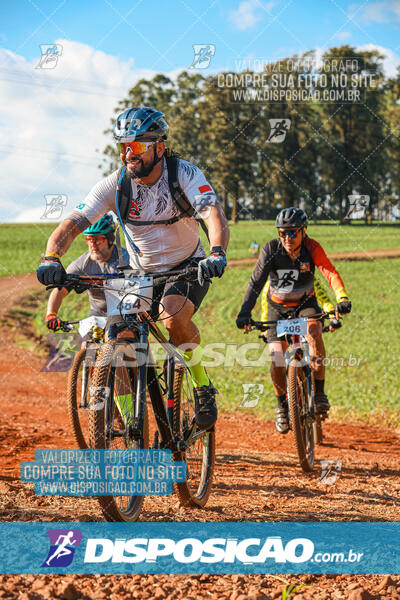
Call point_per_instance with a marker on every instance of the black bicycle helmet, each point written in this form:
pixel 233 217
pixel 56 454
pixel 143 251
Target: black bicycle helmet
pixel 140 122
pixel 291 217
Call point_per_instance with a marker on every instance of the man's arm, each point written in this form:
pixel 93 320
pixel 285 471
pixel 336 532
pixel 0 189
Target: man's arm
pixel 257 279
pixel 327 269
pixel 55 299
pixel 322 296
pixel 218 228
pixel 61 238
pixel 53 305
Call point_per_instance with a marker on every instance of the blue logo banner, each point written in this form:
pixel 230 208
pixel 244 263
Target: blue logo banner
pixel 214 548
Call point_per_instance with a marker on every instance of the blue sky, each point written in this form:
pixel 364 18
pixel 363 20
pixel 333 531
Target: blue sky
pixel 159 34
pixel 107 45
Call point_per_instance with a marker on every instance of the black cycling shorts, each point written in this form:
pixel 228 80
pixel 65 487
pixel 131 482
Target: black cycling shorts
pixel 276 312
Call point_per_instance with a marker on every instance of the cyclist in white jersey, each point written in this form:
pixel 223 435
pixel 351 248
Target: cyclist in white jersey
pixel 140 133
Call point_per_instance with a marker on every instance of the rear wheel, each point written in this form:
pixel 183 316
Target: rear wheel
pixel 79 381
pixel 301 421
pixel 112 415
pixel 200 454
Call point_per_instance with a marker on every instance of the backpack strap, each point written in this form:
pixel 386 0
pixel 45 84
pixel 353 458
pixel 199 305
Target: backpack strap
pixel 178 195
pixel 124 194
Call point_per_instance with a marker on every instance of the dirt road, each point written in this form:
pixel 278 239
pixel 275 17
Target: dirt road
pixel 257 478
pixel 365 255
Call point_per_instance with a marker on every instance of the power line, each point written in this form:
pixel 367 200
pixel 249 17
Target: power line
pixel 66 156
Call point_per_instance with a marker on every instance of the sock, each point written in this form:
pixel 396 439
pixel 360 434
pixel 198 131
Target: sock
pixel 124 403
pixel 197 371
pixel 282 403
pixel 319 386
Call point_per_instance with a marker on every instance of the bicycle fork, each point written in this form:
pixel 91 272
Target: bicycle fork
pixel 300 353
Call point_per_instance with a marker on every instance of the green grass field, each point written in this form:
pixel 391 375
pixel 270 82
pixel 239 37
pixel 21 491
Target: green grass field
pixel 22 245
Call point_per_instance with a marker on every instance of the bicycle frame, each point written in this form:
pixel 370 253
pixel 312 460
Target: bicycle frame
pixel 141 324
pixel 149 379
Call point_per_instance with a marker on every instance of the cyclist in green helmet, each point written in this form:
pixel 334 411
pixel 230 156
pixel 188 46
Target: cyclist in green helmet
pixel 101 257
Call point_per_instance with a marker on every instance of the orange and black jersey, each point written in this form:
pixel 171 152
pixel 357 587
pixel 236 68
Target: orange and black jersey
pixel 291 280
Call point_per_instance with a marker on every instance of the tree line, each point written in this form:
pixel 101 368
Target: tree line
pixel 328 151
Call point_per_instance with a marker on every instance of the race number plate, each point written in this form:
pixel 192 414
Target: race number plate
pixel 291 326
pixel 86 324
pixel 129 296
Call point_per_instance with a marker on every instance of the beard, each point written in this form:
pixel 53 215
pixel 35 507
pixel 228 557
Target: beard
pixel 97 254
pixel 139 170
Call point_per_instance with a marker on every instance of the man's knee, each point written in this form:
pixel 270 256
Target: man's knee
pixel 314 329
pixel 277 355
pixel 175 322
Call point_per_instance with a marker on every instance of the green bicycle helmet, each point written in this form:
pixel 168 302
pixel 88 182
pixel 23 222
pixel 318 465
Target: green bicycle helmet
pixel 104 226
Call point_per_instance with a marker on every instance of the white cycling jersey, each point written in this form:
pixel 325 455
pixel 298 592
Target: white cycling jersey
pixel 163 246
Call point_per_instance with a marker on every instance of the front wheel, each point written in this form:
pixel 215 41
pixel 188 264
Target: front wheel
pixel 301 420
pixel 78 396
pixel 200 454
pixel 112 415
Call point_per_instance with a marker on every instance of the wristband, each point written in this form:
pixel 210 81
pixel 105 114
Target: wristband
pixel 52 254
pixel 341 296
pixel 51 315
pixel 218 250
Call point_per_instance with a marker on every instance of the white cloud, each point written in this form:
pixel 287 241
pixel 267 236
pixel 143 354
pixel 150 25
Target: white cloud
pixel 33 215
pixel 52 122
pixel 377 12
pixel 391 60
pixel 342 35
pixel 248 13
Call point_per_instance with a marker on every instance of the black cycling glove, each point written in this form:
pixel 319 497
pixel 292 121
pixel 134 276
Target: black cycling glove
pixel 343 307
pixel 242 320
pixel 51 271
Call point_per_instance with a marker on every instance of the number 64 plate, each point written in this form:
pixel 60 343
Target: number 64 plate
pixel 129 296
pixel 291 326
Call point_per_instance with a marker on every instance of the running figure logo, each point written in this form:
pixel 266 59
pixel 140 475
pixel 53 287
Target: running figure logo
pixel 279 129
pixel 251 394
pixel 203 54
pixel 63 543
pixel 50 55
pixel 287 279
pixel 358 206
pixel 55 204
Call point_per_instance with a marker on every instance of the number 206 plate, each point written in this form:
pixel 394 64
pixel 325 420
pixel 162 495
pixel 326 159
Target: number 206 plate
pixel 291 326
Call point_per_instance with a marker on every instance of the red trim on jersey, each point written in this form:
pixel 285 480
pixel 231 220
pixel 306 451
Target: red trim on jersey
pixel 323 263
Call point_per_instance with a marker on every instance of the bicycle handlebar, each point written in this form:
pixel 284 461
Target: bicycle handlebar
pixel 264 325
pixel 65 326
pixel 97 281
